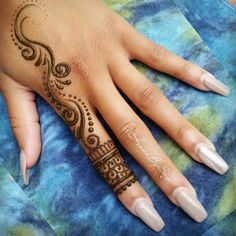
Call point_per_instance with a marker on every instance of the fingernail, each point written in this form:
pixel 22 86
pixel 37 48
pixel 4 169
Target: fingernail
pixel 147 213
pixel 211 158
pixel 25 172
pixel 190 204
pixel 214 84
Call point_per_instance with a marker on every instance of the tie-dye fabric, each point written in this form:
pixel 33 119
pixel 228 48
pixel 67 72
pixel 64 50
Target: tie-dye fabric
pixel 215 21
pixel 18 216
pixel 220 35
pixel 67 195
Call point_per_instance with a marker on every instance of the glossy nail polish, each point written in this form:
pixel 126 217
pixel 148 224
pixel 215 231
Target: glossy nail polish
pixel 188 201
pixel 215 85
pixel 211 158
pixel 147 213
pixel 25 172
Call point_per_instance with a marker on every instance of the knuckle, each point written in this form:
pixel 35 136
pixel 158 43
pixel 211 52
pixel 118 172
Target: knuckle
pixel 80 66
pixel 15 122
pixel 158 53
pixel 145 96
pixel 186 132
pixel 18 123
pixel 112 25
pixel 126 128
pixel 187 68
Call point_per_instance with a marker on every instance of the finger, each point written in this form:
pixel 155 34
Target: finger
pixel 150 100
pixel 59 82
pixel 139 142
pixel 161 59
pixel 81 118
pixel 24 121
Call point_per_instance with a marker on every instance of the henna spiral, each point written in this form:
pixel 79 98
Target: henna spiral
pixel 91 142
pixel 61 70
pixel 70 115
pixel 29 53
pixel 105 157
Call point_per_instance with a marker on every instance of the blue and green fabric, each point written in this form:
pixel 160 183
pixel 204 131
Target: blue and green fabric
pixel 66 195
pixel 215 21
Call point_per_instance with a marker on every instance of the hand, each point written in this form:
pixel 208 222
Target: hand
pixel 76 63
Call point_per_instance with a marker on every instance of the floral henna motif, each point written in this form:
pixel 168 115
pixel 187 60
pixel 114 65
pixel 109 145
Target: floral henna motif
pixel 73 110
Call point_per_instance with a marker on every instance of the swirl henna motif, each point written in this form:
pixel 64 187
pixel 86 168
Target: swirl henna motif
pixel 105 157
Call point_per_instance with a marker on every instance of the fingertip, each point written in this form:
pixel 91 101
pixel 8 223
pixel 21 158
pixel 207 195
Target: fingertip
pixel 137 201
pixel 211 158
pixel 188 202
pixel 32 145
pixel 215 85
pixel 148 214
pixel 24 170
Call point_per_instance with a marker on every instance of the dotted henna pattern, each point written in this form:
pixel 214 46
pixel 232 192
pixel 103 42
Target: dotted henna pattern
pixel 55 76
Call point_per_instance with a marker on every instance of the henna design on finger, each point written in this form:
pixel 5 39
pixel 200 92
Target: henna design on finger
pixel 105 157
pixel 108 161
pixel 163 170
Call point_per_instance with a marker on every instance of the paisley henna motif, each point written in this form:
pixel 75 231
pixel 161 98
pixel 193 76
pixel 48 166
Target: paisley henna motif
pixel 73 110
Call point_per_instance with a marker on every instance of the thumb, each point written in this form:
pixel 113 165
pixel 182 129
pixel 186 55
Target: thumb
pixel 24 120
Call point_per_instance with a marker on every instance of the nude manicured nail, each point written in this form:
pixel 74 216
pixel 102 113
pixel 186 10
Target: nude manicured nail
pixel 147 213
pixel 211 158
pixel 25 172
pixel 215 85
pixel 190 204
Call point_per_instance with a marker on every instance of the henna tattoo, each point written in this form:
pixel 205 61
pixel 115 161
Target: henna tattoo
pixel 73 110
pixel 162 169
pixel 108 161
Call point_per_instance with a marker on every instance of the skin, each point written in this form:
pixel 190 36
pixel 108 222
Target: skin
pixel 96 60
pixel 233 2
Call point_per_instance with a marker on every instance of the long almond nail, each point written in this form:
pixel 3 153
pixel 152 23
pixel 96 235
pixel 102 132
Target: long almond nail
pixel 215 85
pixel 147 213
pixel 211 158
pixel 190 204
pixel 25 172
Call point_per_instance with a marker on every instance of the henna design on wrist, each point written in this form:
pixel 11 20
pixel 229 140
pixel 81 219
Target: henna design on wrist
pixel 73 110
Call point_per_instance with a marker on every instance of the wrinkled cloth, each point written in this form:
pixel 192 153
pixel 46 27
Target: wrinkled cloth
pixel 66 195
